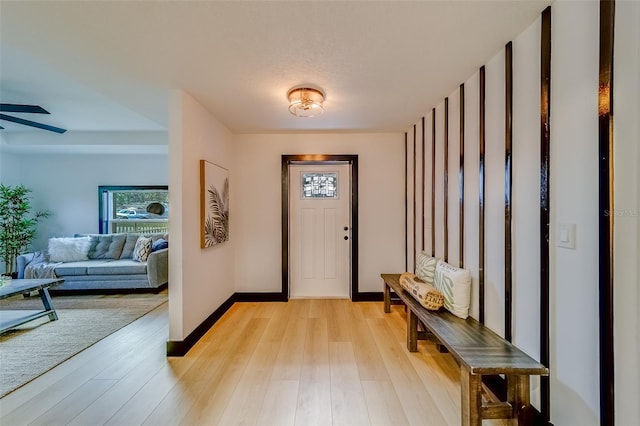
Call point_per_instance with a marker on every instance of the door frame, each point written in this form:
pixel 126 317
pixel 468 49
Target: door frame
pixel 321 159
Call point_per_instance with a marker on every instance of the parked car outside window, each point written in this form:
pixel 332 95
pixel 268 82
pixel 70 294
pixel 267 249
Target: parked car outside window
pixel 132 214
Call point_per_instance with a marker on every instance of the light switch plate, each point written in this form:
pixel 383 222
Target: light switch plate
pixel 566 235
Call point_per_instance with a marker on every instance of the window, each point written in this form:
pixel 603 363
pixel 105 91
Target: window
pixel 319 185
pixel 143 209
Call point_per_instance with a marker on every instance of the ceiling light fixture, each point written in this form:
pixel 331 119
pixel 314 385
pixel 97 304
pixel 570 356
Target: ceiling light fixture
pixel 305 101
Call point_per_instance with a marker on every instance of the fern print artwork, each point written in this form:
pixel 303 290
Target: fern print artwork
pixel 214 204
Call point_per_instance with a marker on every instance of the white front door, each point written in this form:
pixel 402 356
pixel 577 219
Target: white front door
pixel 319 203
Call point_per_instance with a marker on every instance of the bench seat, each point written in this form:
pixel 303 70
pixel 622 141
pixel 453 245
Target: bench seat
pixel 477 349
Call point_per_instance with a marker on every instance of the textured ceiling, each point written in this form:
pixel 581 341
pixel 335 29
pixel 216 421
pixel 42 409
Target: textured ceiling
pixel 103 65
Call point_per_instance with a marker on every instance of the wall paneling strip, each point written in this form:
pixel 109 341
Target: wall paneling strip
pixel 446 179
pixel 422 187
pixel 461 181
pixel 508 136
pixel 605 144
pixel 406 205
pixel 415 202
pixel 545 183
pixel 481 179
pixel 433 182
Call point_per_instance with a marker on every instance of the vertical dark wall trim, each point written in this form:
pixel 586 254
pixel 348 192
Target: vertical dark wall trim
pixel 284 176
pixel 422 187
pixel 446 179
pixel 461 181
pixel 508 135
pixel 606 283
pixel 406 205
pixel 415 201
pixel 433 182
pixel 481 140
pixel 545 142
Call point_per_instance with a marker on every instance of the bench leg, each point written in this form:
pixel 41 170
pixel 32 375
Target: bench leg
pixel 471 385
pixel 518 396
pixel 387 299
pixel 412 331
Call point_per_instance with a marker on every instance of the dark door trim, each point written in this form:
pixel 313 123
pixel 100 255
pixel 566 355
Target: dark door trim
pixel 322 159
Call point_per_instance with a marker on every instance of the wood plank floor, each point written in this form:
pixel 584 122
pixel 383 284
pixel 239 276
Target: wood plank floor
pixel 305 362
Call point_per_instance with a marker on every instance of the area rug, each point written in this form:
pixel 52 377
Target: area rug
pixel 33 348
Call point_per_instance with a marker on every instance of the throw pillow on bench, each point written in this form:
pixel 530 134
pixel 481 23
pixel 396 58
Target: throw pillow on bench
pixel 425 293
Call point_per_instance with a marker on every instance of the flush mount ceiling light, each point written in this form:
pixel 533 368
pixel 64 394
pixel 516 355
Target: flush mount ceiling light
pixel 305 101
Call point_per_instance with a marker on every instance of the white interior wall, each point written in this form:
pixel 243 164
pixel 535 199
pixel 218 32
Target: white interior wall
pixel 67 185
pixel 410 184
pixel 574 200
pixel 419 234
pixel 574 159
pixel 526 195
pixel 256 215
pixel 472 186
pixel 626 132
pixel 494 193
pixel 454 170
pixel 428 161
pixel 200 280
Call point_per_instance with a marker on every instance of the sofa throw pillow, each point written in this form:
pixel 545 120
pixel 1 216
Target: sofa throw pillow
pixel 159 244
pixel 129 245
pixel 426 267
pixel 142 249
pixel 106 246
pixel 426 294
pixel 68 249
pixel 455 285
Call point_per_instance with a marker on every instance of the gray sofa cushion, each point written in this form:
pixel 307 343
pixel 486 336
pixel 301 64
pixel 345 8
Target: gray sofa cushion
pixel 106 246
pixel 118 267
pixel 75 268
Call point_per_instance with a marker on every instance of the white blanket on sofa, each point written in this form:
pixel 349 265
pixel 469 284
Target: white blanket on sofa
pixel 40 268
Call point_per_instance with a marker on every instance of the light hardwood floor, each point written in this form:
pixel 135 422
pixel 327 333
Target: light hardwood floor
pixel 305 362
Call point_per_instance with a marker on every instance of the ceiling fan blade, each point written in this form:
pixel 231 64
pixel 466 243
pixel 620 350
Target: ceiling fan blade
pixel 35 109
pixel 31 123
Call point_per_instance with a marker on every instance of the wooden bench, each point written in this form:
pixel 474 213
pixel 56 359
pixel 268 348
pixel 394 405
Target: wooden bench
pixel 478 350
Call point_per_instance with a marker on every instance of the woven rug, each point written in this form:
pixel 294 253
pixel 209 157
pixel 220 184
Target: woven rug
pixel 37 346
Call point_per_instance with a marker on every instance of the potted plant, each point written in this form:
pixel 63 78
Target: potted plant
pixel 17 225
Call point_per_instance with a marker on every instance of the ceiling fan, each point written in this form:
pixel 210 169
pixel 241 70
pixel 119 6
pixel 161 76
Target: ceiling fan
pixel 32 109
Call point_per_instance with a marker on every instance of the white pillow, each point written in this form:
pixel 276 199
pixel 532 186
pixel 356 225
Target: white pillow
pixel 455 284
pixel 68 249
pixel 426 267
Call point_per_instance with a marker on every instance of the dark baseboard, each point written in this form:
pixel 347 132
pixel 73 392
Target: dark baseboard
pixel 369 296
pixel 181 347
pixel 260 297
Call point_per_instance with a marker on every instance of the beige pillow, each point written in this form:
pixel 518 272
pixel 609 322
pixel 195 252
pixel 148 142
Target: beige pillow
pixel 426 294
pixel 142 249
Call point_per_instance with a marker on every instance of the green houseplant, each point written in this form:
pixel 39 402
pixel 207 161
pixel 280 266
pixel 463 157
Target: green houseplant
pixel 17 224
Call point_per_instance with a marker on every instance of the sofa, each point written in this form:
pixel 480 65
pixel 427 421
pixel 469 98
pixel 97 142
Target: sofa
pixel 101 262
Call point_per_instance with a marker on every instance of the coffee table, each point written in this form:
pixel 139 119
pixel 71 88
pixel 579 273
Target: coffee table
pixel 27 286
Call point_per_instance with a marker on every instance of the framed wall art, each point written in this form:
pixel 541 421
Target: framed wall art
pixel 214 204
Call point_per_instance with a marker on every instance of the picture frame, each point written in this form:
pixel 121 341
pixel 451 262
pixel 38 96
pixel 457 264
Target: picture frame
pixel 214 204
